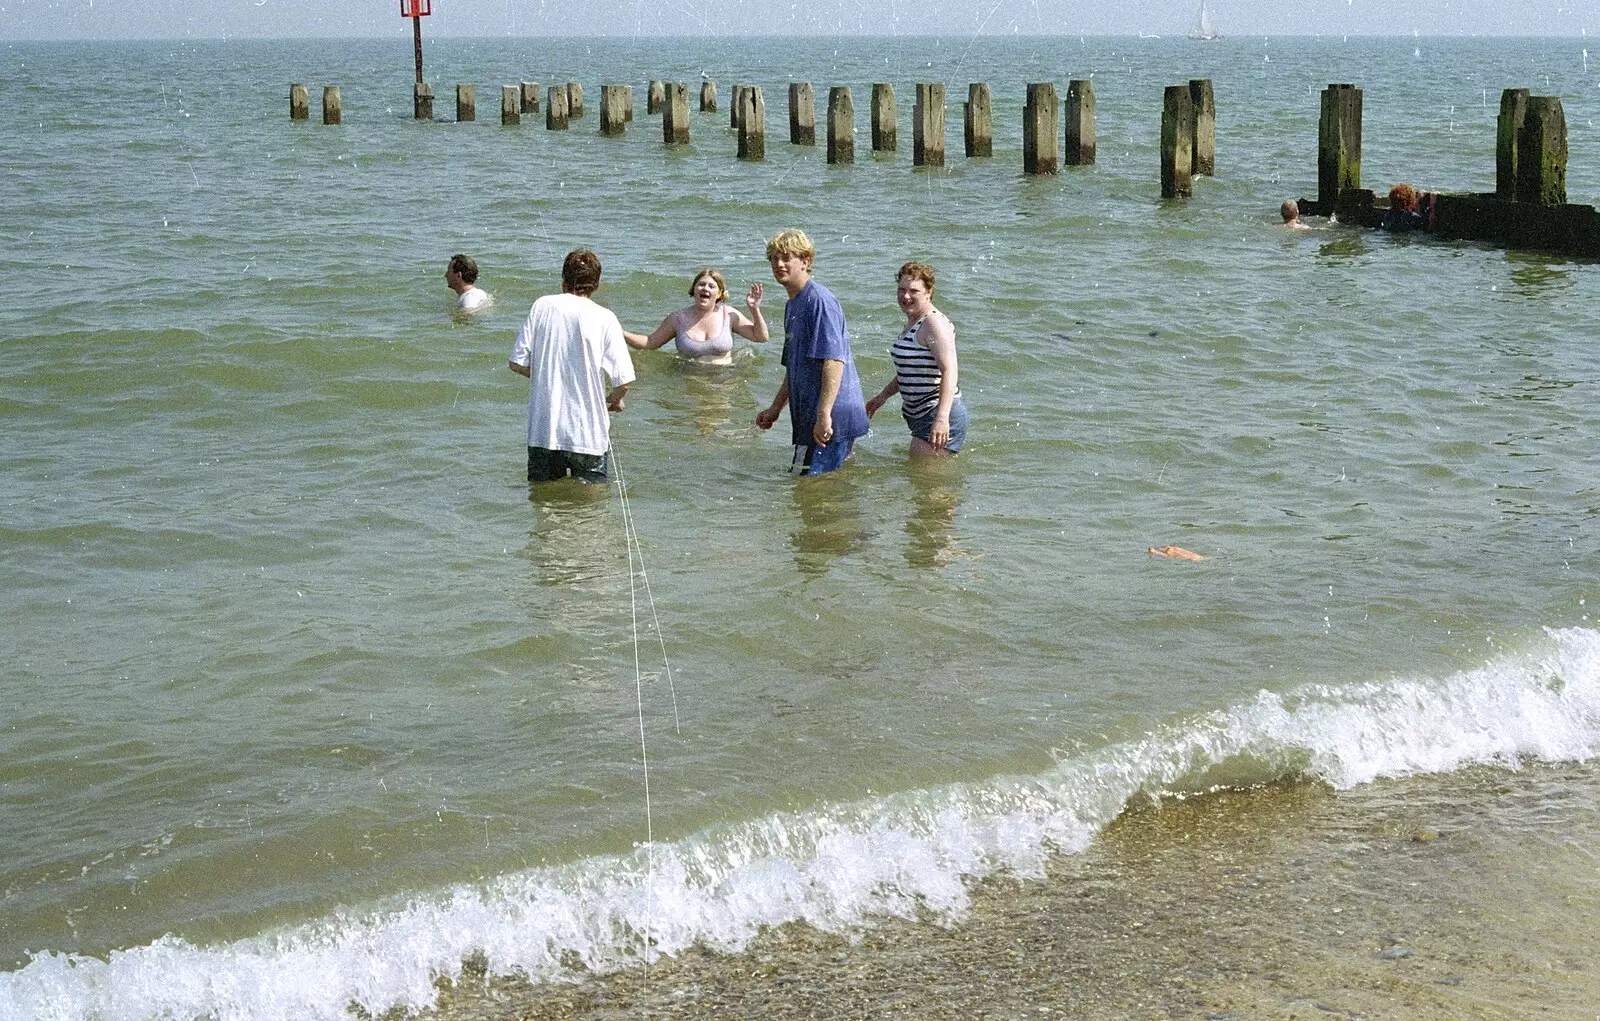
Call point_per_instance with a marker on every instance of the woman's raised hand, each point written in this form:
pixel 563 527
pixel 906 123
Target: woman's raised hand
pixel 752 301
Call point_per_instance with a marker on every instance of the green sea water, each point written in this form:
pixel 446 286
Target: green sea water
pixel 293 658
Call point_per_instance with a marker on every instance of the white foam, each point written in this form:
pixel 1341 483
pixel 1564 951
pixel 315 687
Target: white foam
pixel 912 854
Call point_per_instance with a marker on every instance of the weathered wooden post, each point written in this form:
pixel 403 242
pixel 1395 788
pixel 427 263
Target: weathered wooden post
pixel 927 126
pixel 510 105
pixel 530 97
pixel 708 96
pixel 1542 153
pixel 299 103
pixel 979 120
pixel 1203 158
pixel 1080 124
pixel 466 102
pixel 1177 143
pixel 422 101
pixel 735 108
pixel 555 109
pixel 802 114
pixel 333 113
pixel 752 124
pixel 613 120
pixel 654 98
pixel 627 104
pixel 841 125
pixel 1338 144
pixel 883 117
pixel 574 101
pixel 675 114
pixel 1508 132
pixel 1039 113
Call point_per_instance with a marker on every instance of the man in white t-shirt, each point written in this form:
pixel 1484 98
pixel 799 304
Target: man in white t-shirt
pixel 568 348
pixel 461 276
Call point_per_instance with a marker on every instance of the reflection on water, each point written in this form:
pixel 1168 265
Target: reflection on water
pixel 1533 275
pixel 575 539
pixel 831 522
pixel 1344 246
pixel 937 488
pixel 713 400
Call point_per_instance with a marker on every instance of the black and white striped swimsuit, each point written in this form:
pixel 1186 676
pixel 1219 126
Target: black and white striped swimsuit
pixel 917 372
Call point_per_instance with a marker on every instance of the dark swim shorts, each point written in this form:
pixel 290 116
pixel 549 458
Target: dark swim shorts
pixel 549 465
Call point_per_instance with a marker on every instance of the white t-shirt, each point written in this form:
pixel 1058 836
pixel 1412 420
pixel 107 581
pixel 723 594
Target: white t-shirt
pixel 567 343
pixel 472 299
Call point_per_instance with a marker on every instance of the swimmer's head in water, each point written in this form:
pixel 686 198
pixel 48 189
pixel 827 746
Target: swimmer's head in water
pixel 917 271
pixel 716 277
pixel 580 273
pixel 792 242
pixel 1290 210
pixel 463 266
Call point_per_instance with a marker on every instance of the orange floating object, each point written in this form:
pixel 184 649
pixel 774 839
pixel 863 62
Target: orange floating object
pixel 1174 553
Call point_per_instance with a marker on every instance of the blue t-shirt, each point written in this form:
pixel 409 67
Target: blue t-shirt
pixel 814 330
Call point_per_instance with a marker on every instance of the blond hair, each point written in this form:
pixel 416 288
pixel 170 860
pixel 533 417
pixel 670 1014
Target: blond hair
pixel 791 242
pixel 716 277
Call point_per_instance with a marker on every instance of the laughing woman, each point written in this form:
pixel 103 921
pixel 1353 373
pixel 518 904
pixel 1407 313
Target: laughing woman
pixel 925 370
pixel 704 331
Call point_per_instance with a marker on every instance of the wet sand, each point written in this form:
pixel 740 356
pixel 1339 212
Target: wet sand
pixel 1468 896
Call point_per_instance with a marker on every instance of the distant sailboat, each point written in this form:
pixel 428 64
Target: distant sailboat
pixel 1203 29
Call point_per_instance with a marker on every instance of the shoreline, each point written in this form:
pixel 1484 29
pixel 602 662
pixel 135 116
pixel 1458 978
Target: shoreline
pixel 1394 900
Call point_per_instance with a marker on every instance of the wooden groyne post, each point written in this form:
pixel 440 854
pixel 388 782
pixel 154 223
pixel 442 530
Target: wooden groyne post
pixel 1338 145
pixel 574 101
pixel 1079 138
pixel 708 96
pixel 333 113
pixel 654 97
pixel 1508 129
pixel 613 115
pixel 883 117
pixel 1039 130
pixel 675 114
pixel 555 109
pixel 422 101
pixel 752 124
pixel 466 102
pixel 627 103
pixel 978 120
pixel 1542 153
pixel 927 126
pixel 510 105
pixel 1177 143
pixel 802 114
pixel 530 97
pixel 1203 158
pixel 736 109
pixel 299 103
pixel 841 125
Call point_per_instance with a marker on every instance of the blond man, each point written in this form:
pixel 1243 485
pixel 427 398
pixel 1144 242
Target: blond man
pixel 820 386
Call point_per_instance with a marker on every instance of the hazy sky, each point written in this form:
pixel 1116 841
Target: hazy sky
pixel 240 19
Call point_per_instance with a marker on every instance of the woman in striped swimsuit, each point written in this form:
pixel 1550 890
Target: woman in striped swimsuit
pixel 925 370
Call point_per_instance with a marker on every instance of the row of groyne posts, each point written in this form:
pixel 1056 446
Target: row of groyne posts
pixel 1527 209
pixel 1188 120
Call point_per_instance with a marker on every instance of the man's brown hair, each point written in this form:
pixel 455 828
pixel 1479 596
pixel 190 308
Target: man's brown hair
pixel 580 273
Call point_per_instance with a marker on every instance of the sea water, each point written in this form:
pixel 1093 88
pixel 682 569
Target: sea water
pixel 308 699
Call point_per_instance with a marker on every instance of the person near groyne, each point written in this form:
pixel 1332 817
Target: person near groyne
pixel 1403 214
pixel 704 330
pixel 926 373
pixel 461 276
pixel 820 385
pixel 568 348
pixel 1290 211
